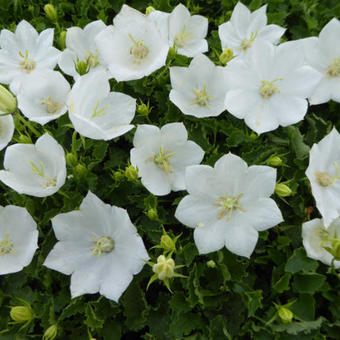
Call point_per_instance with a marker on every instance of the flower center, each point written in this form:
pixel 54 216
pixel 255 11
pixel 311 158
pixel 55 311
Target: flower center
pixel 47 180
pixel 182 38
pixel 99 113
pixel 26 64
pixel 50 105
pixel 246 43
pixel 268 88
pixel 325 179
pixel 162 160
pixel 202 97
pixel 164 268
pixel 92 59
pixel 138 50
pixel 6 246
pixel 333 70
pixel 103 245
pixel 227 204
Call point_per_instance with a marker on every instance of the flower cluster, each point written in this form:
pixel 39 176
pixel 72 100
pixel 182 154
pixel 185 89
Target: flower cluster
pixel 266 84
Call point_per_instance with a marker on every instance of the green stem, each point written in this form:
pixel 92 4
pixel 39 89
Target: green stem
pixel 28 124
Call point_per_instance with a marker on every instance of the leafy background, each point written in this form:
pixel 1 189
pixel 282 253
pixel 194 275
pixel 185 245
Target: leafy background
pixel 236 298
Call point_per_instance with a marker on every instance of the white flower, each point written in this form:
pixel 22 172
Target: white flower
pixel 6 130
pixel 323 54
pixel 36 170
pixel 25 51
pixel 199 90
pixel 133 47
pixel 161 156
pixel 187 32
pixel 96 112
pixel 315 237
pixel 323 174
pixel 245 27
pixel 269 86
pixel 18 239
pixel 42 96
pixel 80 46
pixel 228 204
pixel 99 246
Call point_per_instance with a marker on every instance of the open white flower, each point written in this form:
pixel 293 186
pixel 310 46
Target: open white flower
pixel 6 130
pixel 323 174
pixel 18 239
pixel 36 170
pixel 323 54
pixel 133 47
pixel 187 33
pixel 199 90
pixel 317 239
pixel 96 112
pixel 245 27
pixel 269 86
pixel 229 204
pixel 25 51
pixel 80 46
pixel 42 96
pixel 99 246
pixel 161 156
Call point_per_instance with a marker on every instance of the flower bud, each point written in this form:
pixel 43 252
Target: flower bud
pixel 283 190
pixel 164 268
pixel 131 173
pixel 149 9
pixel 226 56
pixel 71 159
pixel 62 40
pixel 211 264
pixel 51 12
pixel 21 314
pixel 285 314
pixel 8 103
pixel 80 170
pixel 51 332
pixel 144 109
pixel 152 214
pixel 167 243
pixel 274 161
pixel 118 176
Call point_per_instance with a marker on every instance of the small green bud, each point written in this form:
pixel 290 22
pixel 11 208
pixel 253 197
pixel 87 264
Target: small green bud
pixel 62 40
pixel 226 56
pixel 211 264
pixel 274 161
pixel 285 314
pixel 144 109
pixel 51 332
pixel 172 52
pixel 21 314
pixel 167 243
pixel 152 214
pixel 253 135
pixel 71 159
pixel 51 12
pixel 149 9
pixel 283 190
pixel 118 175
pixel 82 67
pixel 8 103
pixel 80 170
pixel 131 173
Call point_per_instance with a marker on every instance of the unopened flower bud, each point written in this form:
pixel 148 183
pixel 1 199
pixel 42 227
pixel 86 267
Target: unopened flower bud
pixel 21 314
pixel 144 109
pixel 71 159
pixel 131 173
pixel 164 268
pixel 8 103
pixel 51 12
pixel 211 264
pixel 51 332
pixel 226 56
pixel 283 190
pixel 285 314
pixel 167 243
pixel 62 40
pixel 118 176
pixel 152 214
pixel 149 9
pixel 80 170
pixel 274 161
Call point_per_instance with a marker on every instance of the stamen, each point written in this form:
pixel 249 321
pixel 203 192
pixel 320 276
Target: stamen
pixel 202 97
pixel 325 179
pixel 182 38
pixel 92 59
pixel 6 246
pixel 99 113
pixel 228 204
pixel 26 64
pixel 138 50
pixel 48 181
pixel 268 88
pixel 333 70
pixel 50 105
pixel 246 43
pixel 161 159
pixel 103 245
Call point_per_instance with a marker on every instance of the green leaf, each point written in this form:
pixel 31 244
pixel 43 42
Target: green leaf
pixel 308 283
pixel 299 262
pixel 254 301
pixel 296 142
pixel 298 327
pixel 92 320
pixel 282 284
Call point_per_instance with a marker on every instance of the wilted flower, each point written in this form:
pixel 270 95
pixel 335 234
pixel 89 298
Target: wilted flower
pixel 228 205
pixel 99 246
pixel 36 170
pixel 133 47
pixel 323 174
pixel 199 90
pixel 24 52
pixel 18 241
pixel 96 112
pixel 161 156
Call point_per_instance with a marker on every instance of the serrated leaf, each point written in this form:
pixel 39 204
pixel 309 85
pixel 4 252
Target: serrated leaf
pixel 299 262
pixel 296 327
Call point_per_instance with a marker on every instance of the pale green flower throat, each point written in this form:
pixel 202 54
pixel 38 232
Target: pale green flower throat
pixel 26 64
pixel 227 204
pixel 103 245
pixel 202 97
pixel 162 159
pixel 139 51
pixel 333 70
pixel 268 88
